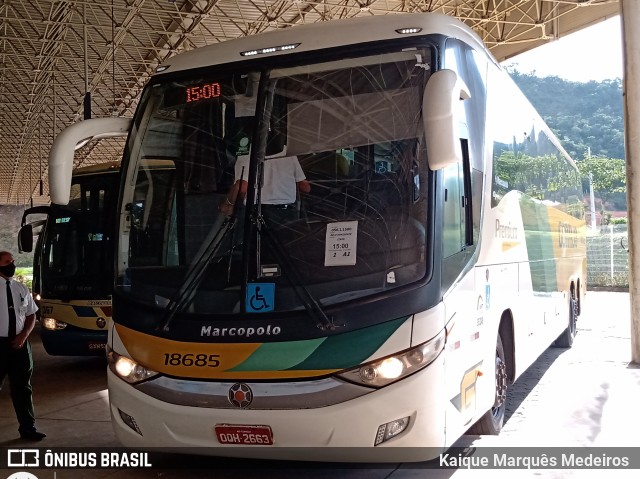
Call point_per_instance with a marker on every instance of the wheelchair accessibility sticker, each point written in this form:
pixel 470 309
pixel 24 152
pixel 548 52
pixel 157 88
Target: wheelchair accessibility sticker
pixel 260 297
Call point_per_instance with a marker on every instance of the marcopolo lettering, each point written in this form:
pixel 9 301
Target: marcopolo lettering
pixel 208 331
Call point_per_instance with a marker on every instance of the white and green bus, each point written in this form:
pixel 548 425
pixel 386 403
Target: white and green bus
pixel 440 250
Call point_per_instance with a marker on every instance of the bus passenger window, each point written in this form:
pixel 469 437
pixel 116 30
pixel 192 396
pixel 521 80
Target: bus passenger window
pixel 453 230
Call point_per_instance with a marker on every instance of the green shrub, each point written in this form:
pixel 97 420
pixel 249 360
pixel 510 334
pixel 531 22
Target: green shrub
pixel 25 275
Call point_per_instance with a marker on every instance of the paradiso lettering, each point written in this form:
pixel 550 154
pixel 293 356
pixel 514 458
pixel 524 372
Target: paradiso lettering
pixel 506 231
pixel 240 332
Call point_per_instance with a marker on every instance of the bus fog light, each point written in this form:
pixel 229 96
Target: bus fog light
pixel 391 429
pixel 129 421
pixel 53 324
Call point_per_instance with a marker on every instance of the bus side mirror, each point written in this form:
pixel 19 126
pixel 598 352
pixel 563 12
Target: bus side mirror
pixel 25 239
pixel 71 139
pixel 440 103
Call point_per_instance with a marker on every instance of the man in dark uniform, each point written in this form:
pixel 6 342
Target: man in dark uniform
pixel 17 319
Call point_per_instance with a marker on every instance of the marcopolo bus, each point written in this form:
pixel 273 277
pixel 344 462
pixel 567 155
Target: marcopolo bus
pixel 439 249
pixel 73 262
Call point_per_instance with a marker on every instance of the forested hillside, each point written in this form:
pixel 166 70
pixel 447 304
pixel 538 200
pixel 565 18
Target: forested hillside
pixel 582 115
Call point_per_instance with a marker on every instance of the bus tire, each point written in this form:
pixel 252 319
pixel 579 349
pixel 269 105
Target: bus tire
pixel 565 340
pixel 492 420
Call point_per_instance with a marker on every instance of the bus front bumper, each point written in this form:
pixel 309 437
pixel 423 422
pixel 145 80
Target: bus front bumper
pixel 74 342
pixel 343 432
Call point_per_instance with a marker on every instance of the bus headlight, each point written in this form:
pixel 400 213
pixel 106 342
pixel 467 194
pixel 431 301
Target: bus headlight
pixel 388 370
pixel 53 324
pixel 127 369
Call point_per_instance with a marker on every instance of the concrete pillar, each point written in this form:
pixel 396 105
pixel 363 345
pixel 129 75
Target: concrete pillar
pixel 630 17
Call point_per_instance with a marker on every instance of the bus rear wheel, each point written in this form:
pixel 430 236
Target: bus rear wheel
pixel 565 340
pixel 491 422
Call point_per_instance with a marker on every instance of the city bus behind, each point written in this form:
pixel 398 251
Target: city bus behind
pixel 73 262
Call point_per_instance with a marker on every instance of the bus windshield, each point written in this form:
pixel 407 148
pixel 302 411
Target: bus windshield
pixel 350 128
pixel 77 258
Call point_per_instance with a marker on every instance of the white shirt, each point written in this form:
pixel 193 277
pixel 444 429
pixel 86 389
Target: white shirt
pixel 22 302
pixel 280 178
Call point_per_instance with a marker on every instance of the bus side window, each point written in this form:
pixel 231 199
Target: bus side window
pixel 459 234
pixel 454 218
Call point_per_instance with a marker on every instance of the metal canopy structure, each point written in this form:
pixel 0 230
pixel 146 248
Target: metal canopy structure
pixel 54 53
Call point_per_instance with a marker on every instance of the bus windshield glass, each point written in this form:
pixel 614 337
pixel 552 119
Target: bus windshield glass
pixel 77 259
pixel 321 195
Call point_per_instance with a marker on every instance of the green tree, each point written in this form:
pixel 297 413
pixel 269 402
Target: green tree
pixel 609 176
pixel 541 177
pixel 584 116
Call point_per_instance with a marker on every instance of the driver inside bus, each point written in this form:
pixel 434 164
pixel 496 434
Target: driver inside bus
pixel 282 179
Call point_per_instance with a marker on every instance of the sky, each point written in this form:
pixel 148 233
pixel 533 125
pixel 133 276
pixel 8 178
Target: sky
pixel 593 53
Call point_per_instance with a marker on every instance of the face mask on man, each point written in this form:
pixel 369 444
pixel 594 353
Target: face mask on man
pixel 8 270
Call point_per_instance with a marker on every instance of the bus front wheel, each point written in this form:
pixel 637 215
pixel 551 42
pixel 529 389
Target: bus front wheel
pixel 491 422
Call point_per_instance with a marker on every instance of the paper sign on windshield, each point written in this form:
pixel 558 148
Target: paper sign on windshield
pixel 341 244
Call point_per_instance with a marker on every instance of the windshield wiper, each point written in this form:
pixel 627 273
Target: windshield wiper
pixel 311 304
pixel 256 219
pixel 185 294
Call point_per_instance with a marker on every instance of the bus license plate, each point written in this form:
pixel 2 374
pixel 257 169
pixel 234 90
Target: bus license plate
pixel 97 346
pixel 244 434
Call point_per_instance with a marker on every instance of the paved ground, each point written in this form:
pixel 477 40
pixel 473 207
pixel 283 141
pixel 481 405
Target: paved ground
pixel 587 396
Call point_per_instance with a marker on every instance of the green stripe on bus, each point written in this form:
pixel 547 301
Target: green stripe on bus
pixel 279 356
pixel 352 348
pixel 539 238
pixel 334 352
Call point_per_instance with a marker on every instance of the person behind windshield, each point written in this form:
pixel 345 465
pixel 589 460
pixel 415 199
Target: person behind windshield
pixel 282 178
